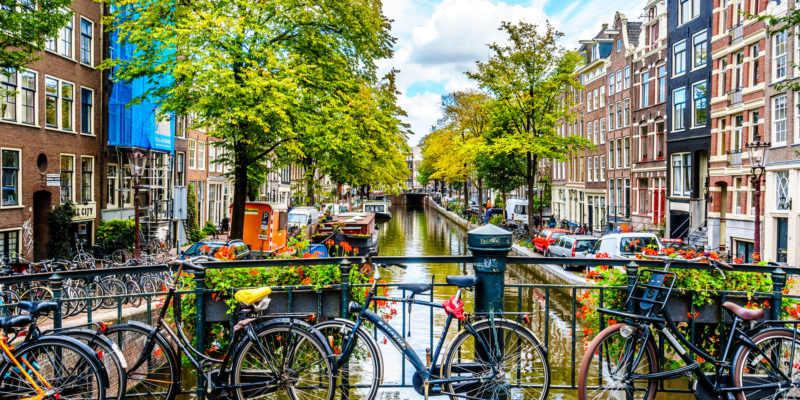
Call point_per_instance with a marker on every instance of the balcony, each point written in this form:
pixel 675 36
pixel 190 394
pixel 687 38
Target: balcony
pixel 735 158
pixel 737 32
pixel 735 97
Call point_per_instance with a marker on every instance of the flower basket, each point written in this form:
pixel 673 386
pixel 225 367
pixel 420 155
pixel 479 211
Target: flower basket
pixel 678 308
pixel 328 302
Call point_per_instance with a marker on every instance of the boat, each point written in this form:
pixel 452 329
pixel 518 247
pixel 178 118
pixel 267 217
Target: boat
pixel 381 208
pixel 357 229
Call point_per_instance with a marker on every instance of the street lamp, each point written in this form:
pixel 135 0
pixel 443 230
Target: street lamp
pixel 137 162
pixel 758 152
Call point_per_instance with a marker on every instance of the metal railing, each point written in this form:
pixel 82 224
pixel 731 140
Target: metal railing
pixel 548 309
pixel 735 158
pixel 735 97
pixel 736 32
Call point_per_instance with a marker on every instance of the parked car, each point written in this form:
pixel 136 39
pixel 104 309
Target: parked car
pixel 546 237
pixel 208 247
pixel 517 211
pixel 303 216
pixel 624 245
pixel 575 246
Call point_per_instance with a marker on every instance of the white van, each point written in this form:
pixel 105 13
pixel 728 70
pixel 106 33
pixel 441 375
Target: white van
pixel 303 216
pixel 517 210
pixel 624 245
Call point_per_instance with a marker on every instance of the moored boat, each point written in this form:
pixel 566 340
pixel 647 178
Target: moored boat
pixel 357 230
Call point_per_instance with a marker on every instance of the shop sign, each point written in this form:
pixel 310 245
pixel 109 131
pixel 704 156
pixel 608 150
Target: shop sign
pixel 85 211
pixel 54 180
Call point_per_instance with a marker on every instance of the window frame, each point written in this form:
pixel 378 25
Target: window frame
pixel 91 42
pixel 675 110
pixel 645 88
pixel 91 112
pixel 71 178
pixel 23 92
pixel 776 65
pixel 681 187
pixel 776 120
pixel 6 252
pixel 201 155
pixel 627 77
pixel 675 72
pixel 112 186
pixel 192 154
pixel 694 104
pixel 91 180
pixel 59 104
pixel 18 186
pixel 661 83
pixel 703 33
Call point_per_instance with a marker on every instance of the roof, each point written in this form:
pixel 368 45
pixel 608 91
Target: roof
pixel 581 237
pixel 634 31
pixel 630 234
pixel 274 206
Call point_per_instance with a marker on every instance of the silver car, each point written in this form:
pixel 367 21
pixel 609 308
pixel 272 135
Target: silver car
pixel 571 246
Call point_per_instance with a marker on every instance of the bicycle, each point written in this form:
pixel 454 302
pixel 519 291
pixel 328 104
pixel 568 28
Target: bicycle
pixel 269 357
pixel 622 362
pixel 490 357
pixel 46 366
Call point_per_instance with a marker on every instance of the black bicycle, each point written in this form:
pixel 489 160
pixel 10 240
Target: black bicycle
pixel 269 357
pixel 622 361
pixel 489 358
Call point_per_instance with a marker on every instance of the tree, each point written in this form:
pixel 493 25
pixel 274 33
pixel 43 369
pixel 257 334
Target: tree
pixel 25 27
pixel 501 171
pixel 254 73
pixel 528 78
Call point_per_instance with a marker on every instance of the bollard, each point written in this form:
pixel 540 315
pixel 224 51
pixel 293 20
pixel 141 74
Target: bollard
pixel 778 283
pixel 489 246
pixel 57 285
pixel 632 270
pixel 199 289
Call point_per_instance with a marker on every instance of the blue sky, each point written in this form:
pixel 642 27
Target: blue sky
pixel 438 40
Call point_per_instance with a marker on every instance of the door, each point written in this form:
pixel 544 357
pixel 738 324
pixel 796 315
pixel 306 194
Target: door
pixel 41 207
pixel 783 239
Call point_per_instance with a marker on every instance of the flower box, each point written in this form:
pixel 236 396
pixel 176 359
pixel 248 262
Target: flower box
pixel 678 308
pixel 328 301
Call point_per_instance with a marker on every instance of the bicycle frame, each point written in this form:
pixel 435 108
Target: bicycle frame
pixel 24 370
pixel 397 340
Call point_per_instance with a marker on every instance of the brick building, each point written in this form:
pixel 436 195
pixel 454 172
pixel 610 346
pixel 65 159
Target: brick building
pixel 51 139
pixel 649 166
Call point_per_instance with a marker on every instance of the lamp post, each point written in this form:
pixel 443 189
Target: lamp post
pixel 758 152
pixel 137 162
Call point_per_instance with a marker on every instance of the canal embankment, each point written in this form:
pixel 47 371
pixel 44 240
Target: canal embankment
pixel 555 272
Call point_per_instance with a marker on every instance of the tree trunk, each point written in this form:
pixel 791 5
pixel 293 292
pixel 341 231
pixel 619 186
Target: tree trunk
pixel 480 194
pixel 530 181
pixel 239 191
pixel 466 195
pixel 310 171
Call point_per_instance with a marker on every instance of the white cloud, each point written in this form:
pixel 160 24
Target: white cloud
pixel 423 111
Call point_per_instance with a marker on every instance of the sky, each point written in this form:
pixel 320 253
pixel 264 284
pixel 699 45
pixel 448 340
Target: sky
pixel 439 40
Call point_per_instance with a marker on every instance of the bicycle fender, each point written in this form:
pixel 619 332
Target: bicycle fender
pixel 86 349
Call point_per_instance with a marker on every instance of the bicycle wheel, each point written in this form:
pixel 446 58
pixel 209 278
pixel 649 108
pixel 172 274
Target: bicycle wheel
pixel 66 366
pixel 84 260
pixel 38 293
pixel 114 292
pixel 776 347
pixel 95 291
pixel 9 304
pixel 157 377
pixel 109 355
pixel 362 374
pixel 132 289
pixel 121 256
pixel 604 369
pixel 286 362
pixel 77 292
pixel 516 355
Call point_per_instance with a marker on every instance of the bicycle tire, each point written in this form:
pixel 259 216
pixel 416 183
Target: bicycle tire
pixel 747 370
pixel 115 291
pixel 121 256
pixel 158 378
pixel 9 306
pixel 96 291
pixel 529 357
pixel 38 293
pixel 365 364
pixel 109 355
pixel 43 354
pixel 134 293
pixel 302 351
pixel 78 292
pixel 602 343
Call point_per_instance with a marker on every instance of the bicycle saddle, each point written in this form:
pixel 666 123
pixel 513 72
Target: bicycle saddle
pixel 462 281
pixel 258 297
pixel 415 288
pixel 37 307
pixel 15 321
pixel 743 313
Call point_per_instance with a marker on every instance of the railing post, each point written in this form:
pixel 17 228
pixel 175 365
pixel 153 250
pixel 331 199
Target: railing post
pixel 199 290
pixel 57 286
pixel 632 270
pixel 489 246
pixel 344 270
pixel 778 283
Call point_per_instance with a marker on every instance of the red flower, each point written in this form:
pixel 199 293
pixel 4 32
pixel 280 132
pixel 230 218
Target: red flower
pixel 612 322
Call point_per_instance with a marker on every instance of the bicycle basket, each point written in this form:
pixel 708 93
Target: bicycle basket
pixel 651 288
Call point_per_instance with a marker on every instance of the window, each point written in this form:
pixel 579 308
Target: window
pixel 679 109
pixel 112 185
pixel 736 140
pixel 611 154
pixel 619 81
pixel 589 167
pixel 212 156
pixel 602 167
pixel 67 171
pixel 645 89
pixel 19 101
pixel 610 117
pixel 741 197
pixel 603 130
pixel 611 198
pixel 87 116
pixel 86 42
pixel 659 142
pixel 589 100
pixel 602 96
pixel 723 67
pixel 192 154
pixel 9 243
pixel 782 190
pixel 58 104
pixel 643 143
pixel 626 115
pixel 627 154
pixel 10 178
pixel 65 40
pixel 679 58
pixel 619 115
pixel 779 120
pixel 596 167
pixel 756 66
pixel 687 10
pixel 610 84
pixel 700 114
pixel 596 99
pixel 180 175
pixel 618 159
pixel 700 49
pixel 681 174
pixel 797 118
pixel 779 55
pixel 589 132
pixel 662 84
pixel 619 45
pixel 201 155
pixel 87 184
pixel 627 77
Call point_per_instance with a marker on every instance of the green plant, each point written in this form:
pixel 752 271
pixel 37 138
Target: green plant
pixel 59 222
pixel 496 219
pixel 192 230
pixel 118 230
pixel 473 219
pixel 209 229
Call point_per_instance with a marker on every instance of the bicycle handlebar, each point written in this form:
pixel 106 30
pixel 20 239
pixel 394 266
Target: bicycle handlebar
pixel 187 265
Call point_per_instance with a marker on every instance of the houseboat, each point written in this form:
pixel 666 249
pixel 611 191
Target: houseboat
pixel 381 208
pixel 357 230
